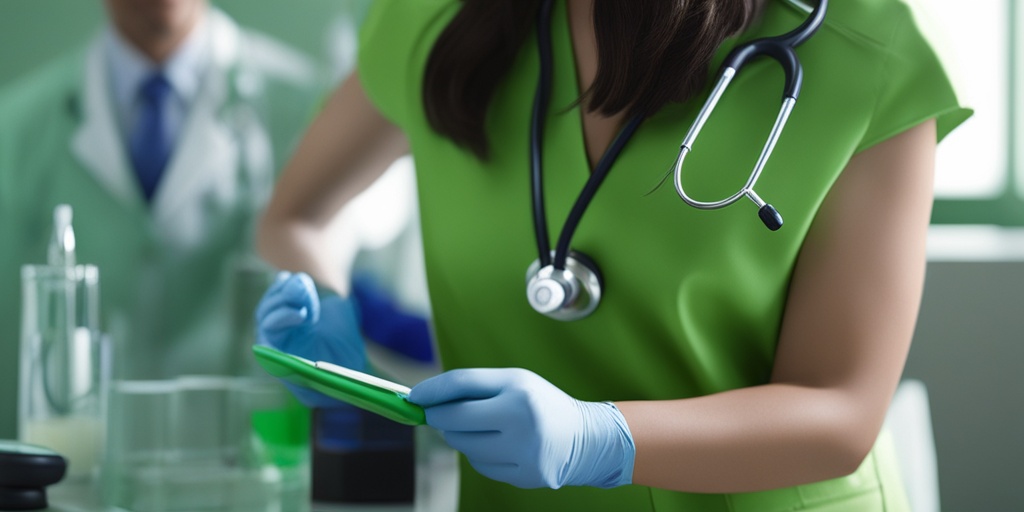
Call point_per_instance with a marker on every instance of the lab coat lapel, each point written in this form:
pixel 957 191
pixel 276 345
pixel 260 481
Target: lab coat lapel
pixel 202 171
pixel 97 142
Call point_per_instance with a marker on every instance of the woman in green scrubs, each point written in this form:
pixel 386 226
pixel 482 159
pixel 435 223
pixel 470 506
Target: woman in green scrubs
pixel 728 367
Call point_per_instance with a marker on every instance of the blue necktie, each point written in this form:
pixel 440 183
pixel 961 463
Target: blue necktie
pixel 150 144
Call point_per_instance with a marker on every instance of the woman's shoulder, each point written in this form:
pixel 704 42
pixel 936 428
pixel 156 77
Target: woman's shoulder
pixel 889 26
pixel 396 28
pixel 394 43
pixel 408 15
pixel 896 50
pixel 920 78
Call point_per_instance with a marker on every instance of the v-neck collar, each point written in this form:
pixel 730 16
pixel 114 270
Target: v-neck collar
pixel 565 91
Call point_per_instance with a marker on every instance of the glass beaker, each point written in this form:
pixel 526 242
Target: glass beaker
pixel 64 367
pixel 192 443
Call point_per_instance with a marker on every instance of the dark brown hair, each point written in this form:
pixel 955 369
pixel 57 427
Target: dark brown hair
pixel 650 53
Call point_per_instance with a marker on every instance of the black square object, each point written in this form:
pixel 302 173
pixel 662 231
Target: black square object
pixel 360 457
pixel 25 471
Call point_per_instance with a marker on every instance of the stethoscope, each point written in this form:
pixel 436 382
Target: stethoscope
pixel 565 284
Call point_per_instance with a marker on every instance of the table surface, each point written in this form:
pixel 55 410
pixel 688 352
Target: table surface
pixel 81 497
pixel 436 489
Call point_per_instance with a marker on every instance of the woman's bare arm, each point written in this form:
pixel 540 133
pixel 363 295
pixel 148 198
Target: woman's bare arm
pixel 847 327
pixel 348 146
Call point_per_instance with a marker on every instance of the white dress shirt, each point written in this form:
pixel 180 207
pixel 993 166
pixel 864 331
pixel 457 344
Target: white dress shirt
pixel 184 69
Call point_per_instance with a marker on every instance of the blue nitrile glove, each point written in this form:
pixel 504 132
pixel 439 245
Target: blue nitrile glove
pixel 292 318
pixel 513 426
pixel 385 323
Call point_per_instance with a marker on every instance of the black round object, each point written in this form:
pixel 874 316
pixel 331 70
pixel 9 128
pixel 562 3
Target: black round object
pixel 22 498
pixel 27 465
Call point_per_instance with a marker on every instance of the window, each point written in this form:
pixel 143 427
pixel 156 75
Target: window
pixel 979 178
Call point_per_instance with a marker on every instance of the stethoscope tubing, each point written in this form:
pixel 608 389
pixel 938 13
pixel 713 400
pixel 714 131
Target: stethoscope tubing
pixel 590 189
pixel 748 188
pixel 566 285
pixel 540 107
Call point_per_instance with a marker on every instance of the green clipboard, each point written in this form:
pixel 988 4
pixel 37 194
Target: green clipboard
pixel 359 389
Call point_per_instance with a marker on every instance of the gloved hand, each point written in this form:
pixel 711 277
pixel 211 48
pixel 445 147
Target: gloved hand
pixel 518 428
pixel 292 318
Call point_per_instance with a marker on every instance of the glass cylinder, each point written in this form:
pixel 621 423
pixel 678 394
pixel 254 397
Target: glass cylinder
pixel 194 443
pixel 63 368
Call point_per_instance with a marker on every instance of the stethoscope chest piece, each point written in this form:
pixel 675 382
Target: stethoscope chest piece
pixel 564 294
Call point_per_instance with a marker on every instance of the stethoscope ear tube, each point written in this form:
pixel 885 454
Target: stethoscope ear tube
pixel 748 189
pixel 779 51
pixel 563 284
pixel 808 28
pixel 782 50
pixel 540 108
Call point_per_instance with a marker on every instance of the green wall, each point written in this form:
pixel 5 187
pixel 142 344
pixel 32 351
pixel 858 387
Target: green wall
pixel 34 31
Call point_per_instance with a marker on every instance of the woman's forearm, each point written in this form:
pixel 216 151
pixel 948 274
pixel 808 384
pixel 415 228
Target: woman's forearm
pixel 750 439
pixel 347 147
pixel 848 322
pixel 296 246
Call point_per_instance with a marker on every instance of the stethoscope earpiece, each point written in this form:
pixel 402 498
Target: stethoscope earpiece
pixel 770 216
pixel 564 294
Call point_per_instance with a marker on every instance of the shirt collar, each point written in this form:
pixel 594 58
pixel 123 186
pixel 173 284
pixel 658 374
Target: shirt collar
pixel 184 69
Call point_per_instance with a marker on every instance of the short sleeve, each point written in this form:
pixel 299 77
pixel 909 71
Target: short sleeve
pixel 394 40
pixel 918 80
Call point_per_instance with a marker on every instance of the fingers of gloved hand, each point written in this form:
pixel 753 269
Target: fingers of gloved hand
pixel 284 318
pixel 278 300
pixel 465 383
pixel 489 414
pixel 271 292
pixel 310 296
pixel 296 291
pixel 279 281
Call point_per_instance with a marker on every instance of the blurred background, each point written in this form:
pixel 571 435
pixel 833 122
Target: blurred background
pixel 969 345
pixel 312 26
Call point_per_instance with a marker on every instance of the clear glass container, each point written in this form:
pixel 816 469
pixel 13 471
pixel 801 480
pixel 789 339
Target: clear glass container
pixel 203 443
pixel 64 367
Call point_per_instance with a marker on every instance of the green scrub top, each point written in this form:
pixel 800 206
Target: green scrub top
pixel 693 300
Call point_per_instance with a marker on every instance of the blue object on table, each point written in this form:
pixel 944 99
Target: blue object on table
pixel 360 457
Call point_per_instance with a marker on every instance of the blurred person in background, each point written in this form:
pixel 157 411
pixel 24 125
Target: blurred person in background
pixel 164 134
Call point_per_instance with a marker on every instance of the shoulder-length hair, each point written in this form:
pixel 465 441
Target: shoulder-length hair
pixel 650 53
